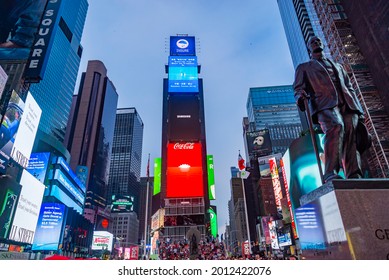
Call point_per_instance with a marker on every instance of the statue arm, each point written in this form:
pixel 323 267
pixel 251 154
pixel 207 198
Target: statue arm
pixel 299 87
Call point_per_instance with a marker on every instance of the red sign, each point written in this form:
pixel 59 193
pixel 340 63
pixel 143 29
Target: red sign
pixel 246 249
pixel 134 252
pixel 184 170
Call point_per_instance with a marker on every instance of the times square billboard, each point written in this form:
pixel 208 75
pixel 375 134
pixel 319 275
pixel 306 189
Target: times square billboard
pixel 182 46
pixel 184 170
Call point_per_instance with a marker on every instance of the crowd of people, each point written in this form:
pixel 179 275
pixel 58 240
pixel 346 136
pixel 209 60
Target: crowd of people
pixel 206 249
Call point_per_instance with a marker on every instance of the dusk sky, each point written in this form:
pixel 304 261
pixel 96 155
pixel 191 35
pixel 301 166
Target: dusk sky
pixel 240 44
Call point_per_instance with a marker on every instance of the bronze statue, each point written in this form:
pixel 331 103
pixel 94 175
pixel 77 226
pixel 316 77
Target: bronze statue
pixel 335 107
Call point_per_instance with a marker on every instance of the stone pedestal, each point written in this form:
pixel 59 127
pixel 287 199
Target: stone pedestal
pixel 352 220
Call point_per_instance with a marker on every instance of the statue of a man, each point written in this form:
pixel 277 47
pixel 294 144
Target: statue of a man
pixel 334 106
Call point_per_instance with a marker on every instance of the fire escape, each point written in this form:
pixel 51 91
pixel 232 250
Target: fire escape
pixel 345 50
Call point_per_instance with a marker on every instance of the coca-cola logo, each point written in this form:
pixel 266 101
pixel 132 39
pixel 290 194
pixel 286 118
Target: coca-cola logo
pixel 184 146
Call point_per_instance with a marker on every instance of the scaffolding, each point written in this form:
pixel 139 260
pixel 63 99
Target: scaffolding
pixel 345 50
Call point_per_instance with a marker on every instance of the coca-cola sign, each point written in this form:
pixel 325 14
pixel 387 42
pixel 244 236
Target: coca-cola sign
pixel 184 146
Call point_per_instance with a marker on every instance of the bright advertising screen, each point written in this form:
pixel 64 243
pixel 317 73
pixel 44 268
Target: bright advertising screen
pixel 184 170
pixel 102 240
pixel 276 184
pixel 213 222
pixel 211 178
pixel 37 165
pixel 28 208
pixel 29 123
pixel 49 227
pixel 183 75
pixel 182 45
pixel 157 176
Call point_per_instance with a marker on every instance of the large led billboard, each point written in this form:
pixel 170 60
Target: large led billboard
pixel 183 74
pixel 211 178
pixel 157 175
pixel 9 128
pixel 276 184
pixel 102 240
pixel 37 165
pixel 49 227
pixel 184 118
pixel 9 194
pixel 184 170
pixel 259 143
pixel 28 208
pixel 28 127
pixel 213 221
pixel 182 45
pixel 19 21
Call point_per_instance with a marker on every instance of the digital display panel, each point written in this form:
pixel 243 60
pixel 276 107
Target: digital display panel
pixel 37 165
pixel 285 237
pixel 9 128
pixel 29 123
pixel 157 176
pixel 122 203
pixel 183 220
pixel 184 170
pixel 28 208
pixel 9 193
pixel 182 45
pixel 276 184
pixel 184 118
pixel 70 172
pixel 183 74
pixel 310 227
pixel 211 178
pixel 49 227
pixel 60 176
pixel 213 221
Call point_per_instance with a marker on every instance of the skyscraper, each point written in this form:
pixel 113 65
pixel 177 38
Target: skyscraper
pixel 90 131
pixel 125 169
pixel 54 93
pixel 274 108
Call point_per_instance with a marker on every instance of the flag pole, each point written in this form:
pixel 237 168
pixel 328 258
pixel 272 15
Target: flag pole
pixel 147 207
pixel 245 203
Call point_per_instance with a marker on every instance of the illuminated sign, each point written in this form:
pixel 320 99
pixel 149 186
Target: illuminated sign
pixel 157 176
pixel 66 166
pixel 184 170
pixel 213 222
pixel 9 128
pixel 29 123
pixel 273 235
pixel 276 184
pixel 102 240
pixel 182 45
pixel 122 203
pixel 43 41
pixel 9 193
pixel 60 176
pixel 49 227
pixel 310 227
pixel 3 81
pixel 28 208
pixel 37 165
pixel 288 199
pixel 183 74
pixel 211 178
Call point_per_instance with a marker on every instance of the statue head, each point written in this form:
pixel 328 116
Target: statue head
pixel 315 45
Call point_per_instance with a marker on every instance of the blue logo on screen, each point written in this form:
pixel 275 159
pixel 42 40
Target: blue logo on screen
pixel 182 44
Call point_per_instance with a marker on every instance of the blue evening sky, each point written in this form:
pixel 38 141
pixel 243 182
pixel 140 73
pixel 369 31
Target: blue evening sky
pixel 241 44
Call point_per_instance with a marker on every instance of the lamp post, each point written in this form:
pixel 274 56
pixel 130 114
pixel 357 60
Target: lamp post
pixel 244 175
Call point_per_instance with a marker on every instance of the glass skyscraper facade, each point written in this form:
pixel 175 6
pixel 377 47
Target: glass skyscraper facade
pixel 274 108
pixel 126 160
pixel 54 93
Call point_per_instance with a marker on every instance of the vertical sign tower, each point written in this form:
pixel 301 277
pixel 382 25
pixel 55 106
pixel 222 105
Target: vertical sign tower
pixel 184 180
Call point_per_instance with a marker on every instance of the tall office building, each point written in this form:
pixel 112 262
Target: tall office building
pixel 90 131
pixel 333 25
pixel 126 159
pixel 274 108
pixel 54 92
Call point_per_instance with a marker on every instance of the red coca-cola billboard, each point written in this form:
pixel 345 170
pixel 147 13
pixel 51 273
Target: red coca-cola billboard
pixel 184 170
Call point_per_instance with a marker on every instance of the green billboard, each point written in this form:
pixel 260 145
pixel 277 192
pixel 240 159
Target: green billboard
pixel 213 221
pixel 157 175
pixel 211 178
